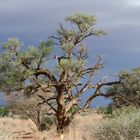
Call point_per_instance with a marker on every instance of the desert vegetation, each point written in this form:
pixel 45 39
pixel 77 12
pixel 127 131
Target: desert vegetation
pixel 122 124
pixel 45 84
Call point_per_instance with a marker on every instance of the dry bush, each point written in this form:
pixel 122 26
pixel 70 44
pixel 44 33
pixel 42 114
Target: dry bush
pixel 123 124
pixel 28 108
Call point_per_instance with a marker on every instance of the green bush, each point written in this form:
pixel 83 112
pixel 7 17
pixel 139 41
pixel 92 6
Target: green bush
pixel 4 111
pixel 47 122
pixel 123 124
pixel 104 110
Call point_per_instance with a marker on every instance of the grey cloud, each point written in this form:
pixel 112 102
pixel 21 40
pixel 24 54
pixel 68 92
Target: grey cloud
pixel 20 12
pixel 118 17
pixel 52 10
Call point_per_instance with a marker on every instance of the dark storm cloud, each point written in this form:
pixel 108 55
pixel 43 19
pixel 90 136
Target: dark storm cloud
pixel 38 18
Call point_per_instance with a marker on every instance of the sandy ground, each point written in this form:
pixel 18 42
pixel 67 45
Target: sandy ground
pixel 17 129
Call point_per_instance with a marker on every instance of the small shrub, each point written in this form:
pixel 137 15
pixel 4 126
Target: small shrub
pixel 46 123
pixel 104 110
pixel 4 111
pixel 123 124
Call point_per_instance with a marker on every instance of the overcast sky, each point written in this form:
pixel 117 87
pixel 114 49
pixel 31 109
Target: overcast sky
pixel 33 20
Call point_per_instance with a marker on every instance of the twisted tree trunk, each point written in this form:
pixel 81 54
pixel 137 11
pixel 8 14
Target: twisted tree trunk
pixel 63 120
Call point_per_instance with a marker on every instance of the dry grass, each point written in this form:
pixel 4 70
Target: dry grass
pixel 17 129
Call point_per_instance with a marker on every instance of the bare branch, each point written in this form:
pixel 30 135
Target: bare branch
pixel 40 61
pixel 98 93
pixel 47 102
pixel 46 72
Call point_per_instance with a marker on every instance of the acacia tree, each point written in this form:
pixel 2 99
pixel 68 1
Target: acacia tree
pixel 128 91
pixel 62 79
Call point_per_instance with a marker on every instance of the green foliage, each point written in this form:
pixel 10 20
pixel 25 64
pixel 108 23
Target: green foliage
pixel 74 109
pixel 13 44
pixel 45 47
pixel 104 110
pixel 84 21
pixel 4 111
pixel 67 64
pixel 123 124
pixel 17 66
pixel 48 122
pixel 130 88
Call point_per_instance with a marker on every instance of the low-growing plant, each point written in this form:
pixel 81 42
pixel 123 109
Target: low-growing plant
pixel 47 122
pixel 105 110
pixel 4 111
pixel 123 124
pixel 29 108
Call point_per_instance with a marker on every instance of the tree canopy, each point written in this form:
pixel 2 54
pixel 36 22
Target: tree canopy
pixel 60 87
pixel 128 91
